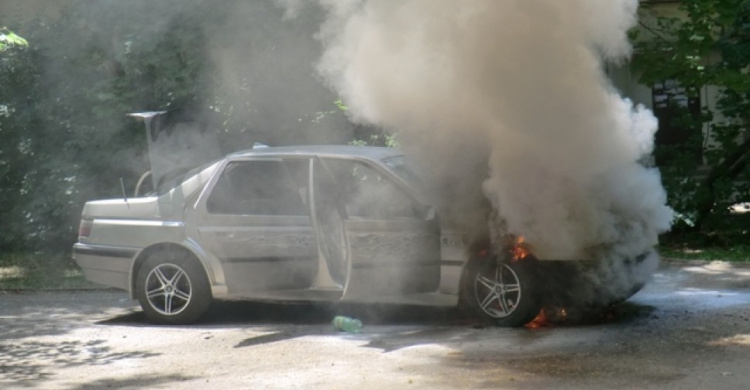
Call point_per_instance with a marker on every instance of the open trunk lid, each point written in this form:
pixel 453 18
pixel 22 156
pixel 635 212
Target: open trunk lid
pixel 178 141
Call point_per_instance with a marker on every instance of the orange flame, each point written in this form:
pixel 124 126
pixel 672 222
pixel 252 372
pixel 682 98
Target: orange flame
pixel 547 317
pixel 539 321
pixel 520 250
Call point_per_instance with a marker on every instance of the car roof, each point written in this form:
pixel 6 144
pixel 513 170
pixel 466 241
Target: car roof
pixel 369 152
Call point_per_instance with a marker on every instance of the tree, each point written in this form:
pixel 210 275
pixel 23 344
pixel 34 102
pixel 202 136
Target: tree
pixel 68 138
pixel 707 45
pixel 65 135
pixel 16 74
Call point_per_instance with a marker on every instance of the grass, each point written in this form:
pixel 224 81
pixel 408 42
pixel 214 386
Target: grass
pixel 737 253
pixel 721 243
pixel 32 271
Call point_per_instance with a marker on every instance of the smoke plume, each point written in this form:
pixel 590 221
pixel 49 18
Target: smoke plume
pixel 508 101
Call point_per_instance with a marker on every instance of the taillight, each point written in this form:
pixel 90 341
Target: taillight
pixel 84 229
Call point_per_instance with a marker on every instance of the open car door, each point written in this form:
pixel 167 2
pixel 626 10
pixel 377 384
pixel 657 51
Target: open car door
pixel 379 240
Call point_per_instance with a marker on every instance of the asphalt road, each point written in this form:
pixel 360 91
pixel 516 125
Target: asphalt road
pixel 688 329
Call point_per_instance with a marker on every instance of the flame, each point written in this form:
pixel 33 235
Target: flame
pixel 520 250
pixel 539 321
pixel 547 317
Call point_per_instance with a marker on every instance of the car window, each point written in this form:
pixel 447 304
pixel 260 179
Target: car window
pixel 366 193
pixel 264 187
pixel 178 176
pixel 405 171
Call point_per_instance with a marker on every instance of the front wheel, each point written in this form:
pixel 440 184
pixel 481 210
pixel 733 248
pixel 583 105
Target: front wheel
pixel 501 293
pixel 172 288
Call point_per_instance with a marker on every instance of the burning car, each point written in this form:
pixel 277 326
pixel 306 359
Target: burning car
pixel 328 223
pixel 308 223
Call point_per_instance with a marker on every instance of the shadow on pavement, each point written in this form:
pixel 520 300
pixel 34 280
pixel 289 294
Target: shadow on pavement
pixel 254 313
pixel 135 382
pixel 398 326
pixel 31 361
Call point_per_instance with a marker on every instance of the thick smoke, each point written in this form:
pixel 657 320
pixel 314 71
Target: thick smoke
pixel 508 101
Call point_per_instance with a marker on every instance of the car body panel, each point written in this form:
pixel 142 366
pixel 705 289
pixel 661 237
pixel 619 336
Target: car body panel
pixel 105 264
pixel 392 257
pixel 282 257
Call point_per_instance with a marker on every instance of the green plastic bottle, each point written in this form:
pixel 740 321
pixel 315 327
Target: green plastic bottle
pixel 347 324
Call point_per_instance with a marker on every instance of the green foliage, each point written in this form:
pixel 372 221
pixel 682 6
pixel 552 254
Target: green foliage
pixel 381 139
pixel 9 38
pixel 36 271
pixel 18 74
pixel 707 45
pixel 735 253
pixel 340 104
pixel 368 136
pixel 66 136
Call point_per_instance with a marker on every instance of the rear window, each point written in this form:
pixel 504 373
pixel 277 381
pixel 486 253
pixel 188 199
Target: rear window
pixel 177 177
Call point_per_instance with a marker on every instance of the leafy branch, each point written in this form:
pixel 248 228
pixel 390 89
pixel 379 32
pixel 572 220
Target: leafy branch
pixel 9 38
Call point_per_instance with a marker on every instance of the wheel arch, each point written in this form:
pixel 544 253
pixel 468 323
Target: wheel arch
pixel 479 251
pixel 524 270
pixel 482 251
pixel 190 251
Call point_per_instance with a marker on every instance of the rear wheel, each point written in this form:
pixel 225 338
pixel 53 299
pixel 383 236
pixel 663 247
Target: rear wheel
pixel 172 288
pixel 501 293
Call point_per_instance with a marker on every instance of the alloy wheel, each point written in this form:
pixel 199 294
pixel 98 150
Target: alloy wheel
pixel 168 289
pixel 497 290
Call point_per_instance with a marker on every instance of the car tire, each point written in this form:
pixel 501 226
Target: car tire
pixel 172 288
pixel 501 293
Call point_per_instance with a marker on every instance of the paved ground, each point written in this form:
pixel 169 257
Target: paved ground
pixel 689 329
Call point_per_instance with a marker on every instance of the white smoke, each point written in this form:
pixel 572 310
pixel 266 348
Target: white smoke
pixel 508 100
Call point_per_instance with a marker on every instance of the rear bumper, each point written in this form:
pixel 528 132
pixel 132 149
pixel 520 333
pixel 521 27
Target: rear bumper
pixel 106 264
